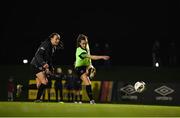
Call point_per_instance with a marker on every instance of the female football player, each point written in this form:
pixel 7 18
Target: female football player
pixel 42 62
pixel 83 65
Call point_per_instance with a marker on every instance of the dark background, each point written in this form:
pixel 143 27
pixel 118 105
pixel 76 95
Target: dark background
pixel 130 27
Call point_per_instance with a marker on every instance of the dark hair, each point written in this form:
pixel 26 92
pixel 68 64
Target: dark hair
pixel 61 44
pixel 79 38
pixel 52 35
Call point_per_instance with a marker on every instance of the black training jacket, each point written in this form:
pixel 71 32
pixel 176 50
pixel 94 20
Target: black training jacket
pixel 43 55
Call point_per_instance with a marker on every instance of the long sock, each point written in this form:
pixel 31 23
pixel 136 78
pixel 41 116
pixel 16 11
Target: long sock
pixel 40 91
pixel 89 92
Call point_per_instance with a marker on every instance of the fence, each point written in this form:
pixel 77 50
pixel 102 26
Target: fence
pixel 111 84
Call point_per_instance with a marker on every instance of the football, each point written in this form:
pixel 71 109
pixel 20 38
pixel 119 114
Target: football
pixel 139 86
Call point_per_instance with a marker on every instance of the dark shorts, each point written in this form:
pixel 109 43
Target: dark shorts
pixel 80 70
pixel 35 70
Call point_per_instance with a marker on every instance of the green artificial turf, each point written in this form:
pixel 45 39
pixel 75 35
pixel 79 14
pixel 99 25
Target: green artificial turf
pixel 53 109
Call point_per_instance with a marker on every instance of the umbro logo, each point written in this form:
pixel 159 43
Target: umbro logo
pixel 164 90
pixel 129 89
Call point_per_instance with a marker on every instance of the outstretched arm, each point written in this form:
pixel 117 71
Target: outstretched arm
pixel 98 57
pixel 94 57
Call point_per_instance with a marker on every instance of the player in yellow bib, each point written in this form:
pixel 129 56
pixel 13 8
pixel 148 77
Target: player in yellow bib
pixel 83 64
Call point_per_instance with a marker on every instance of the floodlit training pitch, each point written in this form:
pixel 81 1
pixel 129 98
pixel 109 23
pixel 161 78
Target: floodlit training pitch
pixel 53 109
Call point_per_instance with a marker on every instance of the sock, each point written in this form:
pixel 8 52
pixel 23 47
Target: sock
pixel 89 92
pixel 40 91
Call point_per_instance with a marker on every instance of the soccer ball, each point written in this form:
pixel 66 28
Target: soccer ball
pixel 139 86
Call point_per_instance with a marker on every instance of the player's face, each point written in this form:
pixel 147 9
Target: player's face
pixel 55 40
pixel 83 44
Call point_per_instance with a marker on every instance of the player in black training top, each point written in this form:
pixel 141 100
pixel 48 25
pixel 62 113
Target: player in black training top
pixel 42 62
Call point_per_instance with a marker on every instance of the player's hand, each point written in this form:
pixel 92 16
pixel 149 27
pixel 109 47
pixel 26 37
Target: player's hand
pixel 46 66
pixel 106 57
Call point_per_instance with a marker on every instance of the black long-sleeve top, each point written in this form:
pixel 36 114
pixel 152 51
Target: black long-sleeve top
pixel 44 55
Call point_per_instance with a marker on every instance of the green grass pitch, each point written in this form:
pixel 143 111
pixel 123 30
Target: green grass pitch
pixel 53 109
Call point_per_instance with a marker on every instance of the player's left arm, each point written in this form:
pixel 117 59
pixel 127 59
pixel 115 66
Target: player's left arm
pixel 98 57
pixel 93 57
